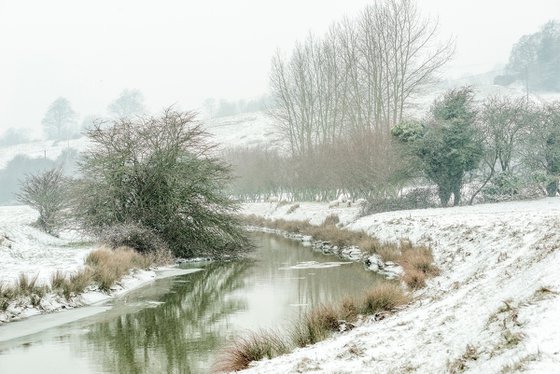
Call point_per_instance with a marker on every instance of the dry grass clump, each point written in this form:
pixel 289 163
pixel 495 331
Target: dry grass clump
pixel 322 321
pixel 78 282
pixel 72 285
pixel 109 266
pixel 417 263
pixel 414 279
pixel 317 325
pixel 331 220
pixel 389 252
pixel 419 258
pixel 253 347
pixel 384 297
pixel 349 309
pixel 58 278
pixel 6 294
pixel 26 285
pixel 103 266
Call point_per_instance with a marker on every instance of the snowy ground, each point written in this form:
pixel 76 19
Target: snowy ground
pixel 26 250
pixel 493 309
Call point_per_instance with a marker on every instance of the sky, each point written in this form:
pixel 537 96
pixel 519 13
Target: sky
pixel 181 52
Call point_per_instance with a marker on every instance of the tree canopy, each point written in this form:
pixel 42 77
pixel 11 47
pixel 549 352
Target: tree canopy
pixel 449 145
pixel 159 173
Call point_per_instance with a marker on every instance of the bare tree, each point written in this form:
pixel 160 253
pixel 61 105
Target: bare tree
pixel 503 122
pixel 360 75
pixel 46 192
pixel 129 103
pixel 59 119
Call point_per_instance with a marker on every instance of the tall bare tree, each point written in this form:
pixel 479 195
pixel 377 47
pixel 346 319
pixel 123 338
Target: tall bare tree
pixel 360 75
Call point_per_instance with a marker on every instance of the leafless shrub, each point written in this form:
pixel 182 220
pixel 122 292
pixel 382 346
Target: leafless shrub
pixel 47 193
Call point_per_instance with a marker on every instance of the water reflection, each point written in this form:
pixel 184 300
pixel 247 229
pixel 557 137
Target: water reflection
pixel 179 335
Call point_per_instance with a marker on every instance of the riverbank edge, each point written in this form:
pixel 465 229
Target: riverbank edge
pixel 51 302
pixel 372 262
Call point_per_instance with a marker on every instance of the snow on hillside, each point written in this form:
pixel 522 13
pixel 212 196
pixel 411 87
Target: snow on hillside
pixel 25 249
pixel 493 309
pixel 241 130
pixel 39 149
pixel 245 130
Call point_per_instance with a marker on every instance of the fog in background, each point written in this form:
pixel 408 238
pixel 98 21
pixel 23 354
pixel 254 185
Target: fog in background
pixel 181 52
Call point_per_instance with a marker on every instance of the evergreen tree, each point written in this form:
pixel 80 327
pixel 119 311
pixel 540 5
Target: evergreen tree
pixel 449 145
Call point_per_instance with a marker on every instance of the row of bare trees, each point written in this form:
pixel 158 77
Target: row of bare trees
pixel 514 146
pixel 358 79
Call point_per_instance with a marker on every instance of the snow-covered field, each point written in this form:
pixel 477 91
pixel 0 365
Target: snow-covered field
pixel 25 249
pixel 493 309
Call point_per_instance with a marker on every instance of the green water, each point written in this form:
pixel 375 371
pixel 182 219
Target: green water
pixel 177 325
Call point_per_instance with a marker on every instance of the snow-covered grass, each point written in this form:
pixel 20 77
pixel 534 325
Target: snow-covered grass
pixel 493 308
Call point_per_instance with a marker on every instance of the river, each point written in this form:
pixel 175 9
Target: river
pixel 177 325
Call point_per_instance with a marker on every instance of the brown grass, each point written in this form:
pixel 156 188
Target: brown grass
pixel 349 309
pixel 316 325
pixel 253 347
pixel 331 220
pixel 77 282
pixel 109 266
pixel 6 294
pixel 104 267
pixel 419 258
pixel 414 279
pixel 58 278
pixel 384 297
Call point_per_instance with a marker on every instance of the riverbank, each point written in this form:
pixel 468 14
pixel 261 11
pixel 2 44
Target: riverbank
pixel 493 309
pixel 28 253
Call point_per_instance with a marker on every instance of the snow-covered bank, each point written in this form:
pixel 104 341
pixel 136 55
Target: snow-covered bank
pixel 493 309
pixel 26 250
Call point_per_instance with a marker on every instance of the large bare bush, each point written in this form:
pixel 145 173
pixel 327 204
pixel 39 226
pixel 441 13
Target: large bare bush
pixel 159 173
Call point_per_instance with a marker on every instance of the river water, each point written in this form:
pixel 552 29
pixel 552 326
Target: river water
pixel 177 325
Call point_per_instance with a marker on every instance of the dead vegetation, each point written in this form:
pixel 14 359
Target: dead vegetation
pixel 103 268
pixel 460 364
pixel 253 347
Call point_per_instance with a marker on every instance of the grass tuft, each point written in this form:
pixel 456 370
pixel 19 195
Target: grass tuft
pixel 58 279
pixel 256 346
pixel 414 279
pixel 316 325
pixel 384 297
pixel 109 266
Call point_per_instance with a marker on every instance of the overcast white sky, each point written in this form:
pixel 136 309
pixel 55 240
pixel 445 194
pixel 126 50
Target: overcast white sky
pixel 181 52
